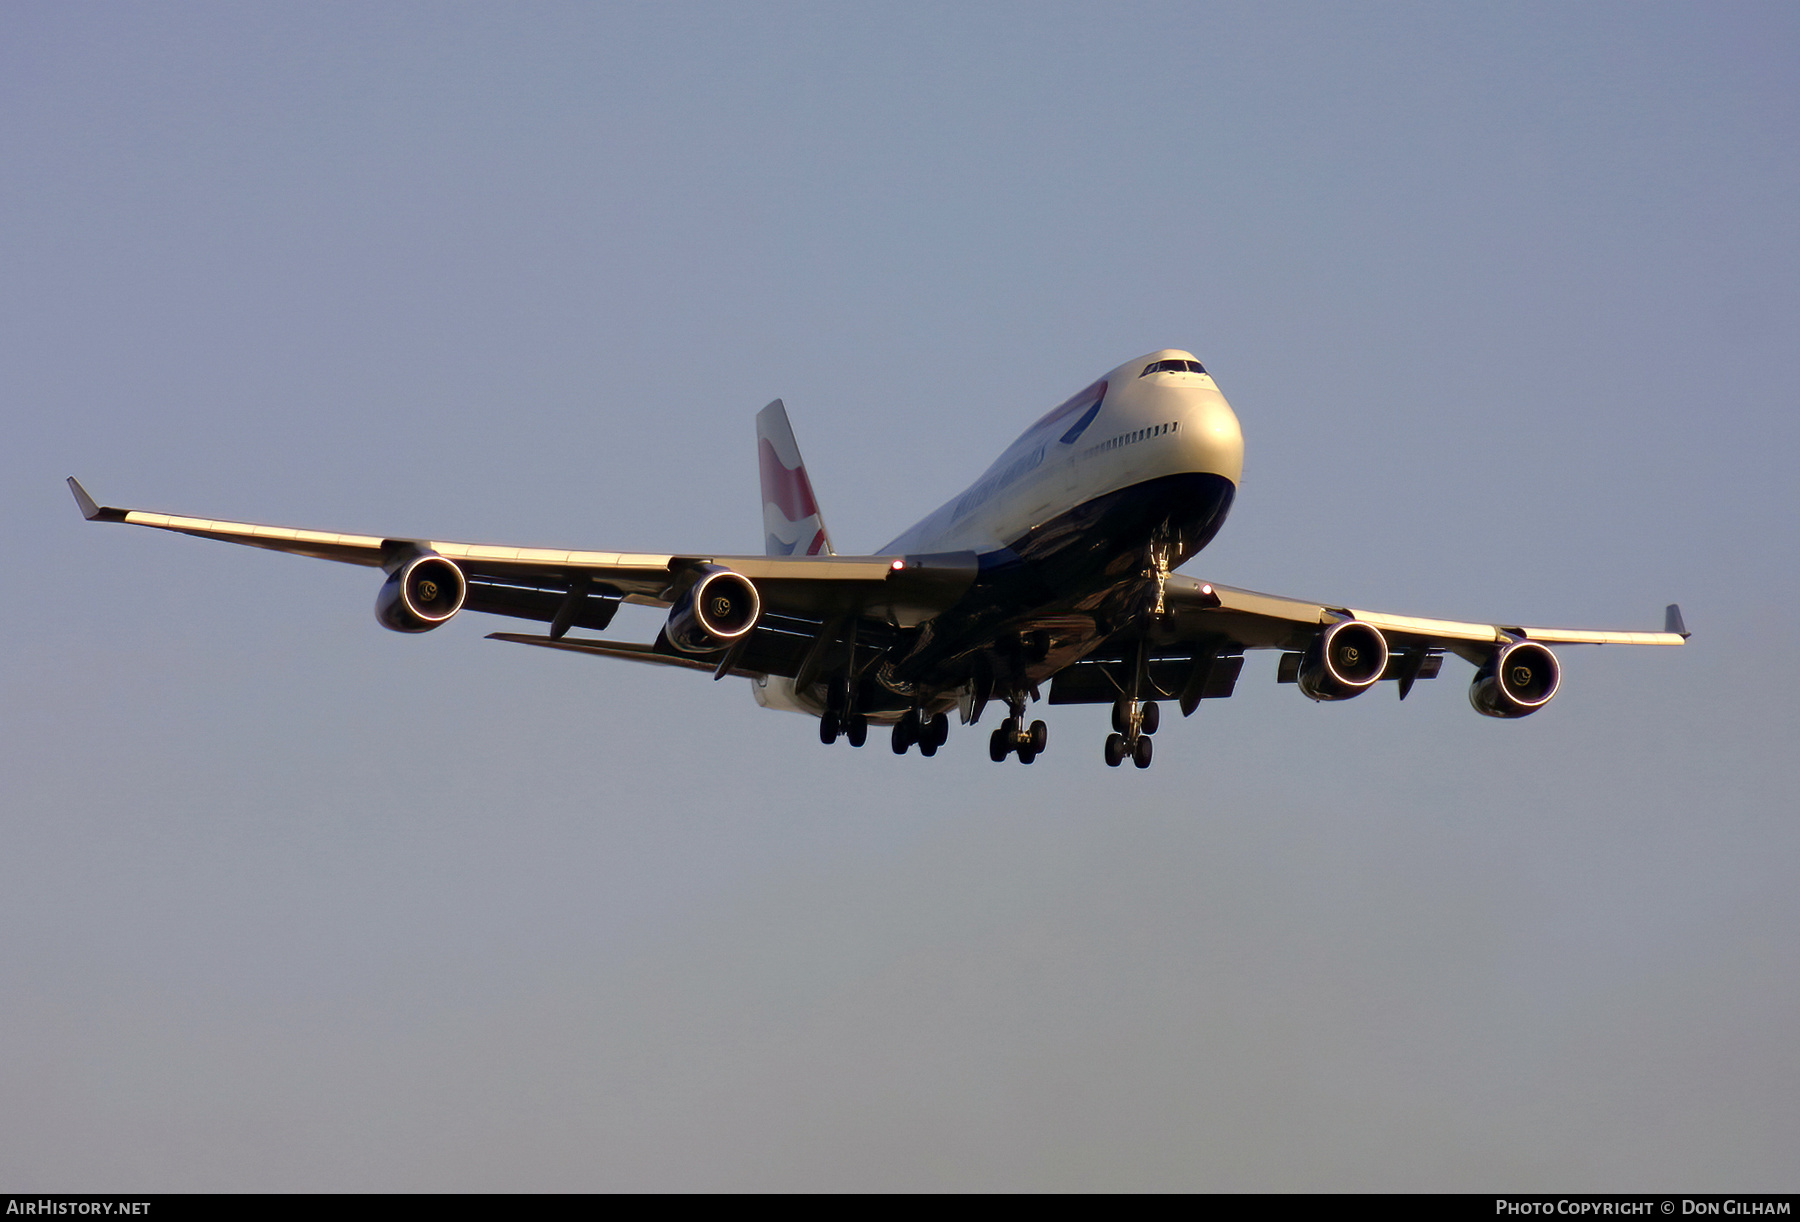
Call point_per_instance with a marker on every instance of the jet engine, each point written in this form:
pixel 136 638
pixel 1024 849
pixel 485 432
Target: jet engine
pixel 1516 682
pixel 421 594
pixel 1343 661
pixel 714 612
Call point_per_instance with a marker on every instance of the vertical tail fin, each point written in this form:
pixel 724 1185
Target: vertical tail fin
pixel 791 522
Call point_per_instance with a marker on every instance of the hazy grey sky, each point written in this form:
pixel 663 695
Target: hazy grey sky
pixel 1505 298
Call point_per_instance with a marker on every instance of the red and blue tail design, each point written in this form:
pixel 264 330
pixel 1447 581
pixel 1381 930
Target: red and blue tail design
pixel 791 522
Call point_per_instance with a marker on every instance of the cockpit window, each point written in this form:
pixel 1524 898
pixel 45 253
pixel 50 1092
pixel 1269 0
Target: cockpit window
pixel 1172 367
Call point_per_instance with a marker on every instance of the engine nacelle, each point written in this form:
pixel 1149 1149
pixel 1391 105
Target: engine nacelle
pixel 714 613
pixel 1517 681
pixel 421 594
pixel 1343 661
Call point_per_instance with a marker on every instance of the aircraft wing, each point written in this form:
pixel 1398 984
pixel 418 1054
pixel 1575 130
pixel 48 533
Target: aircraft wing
pixel 540 583
pixel 1196 650
pixel 1265 621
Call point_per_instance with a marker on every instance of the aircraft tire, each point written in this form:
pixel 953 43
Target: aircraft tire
pixel 902 740
pixel 998 746
pixel 1141 752
pixel 828 727
pixel 928 746
pixel 1115 750
pixel 1152 718
pixel 1026 754
pixel 1040 737
pixel 1120 709
pixel 857 729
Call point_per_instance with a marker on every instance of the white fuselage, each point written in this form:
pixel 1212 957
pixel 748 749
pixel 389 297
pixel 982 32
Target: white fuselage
pixel 1127 430
pixel 1147 427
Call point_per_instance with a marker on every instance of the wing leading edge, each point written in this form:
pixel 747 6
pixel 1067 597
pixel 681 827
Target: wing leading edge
pixel 900 589
pixel 1266 621
pixel 1196 650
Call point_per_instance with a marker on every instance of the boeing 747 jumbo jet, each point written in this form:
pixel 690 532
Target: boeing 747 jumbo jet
pixel 1054 569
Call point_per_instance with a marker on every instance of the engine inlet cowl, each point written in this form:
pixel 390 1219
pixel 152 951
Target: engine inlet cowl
pixel 1517 681
pixel 1343 661
pixel 421 594
pixel 713 613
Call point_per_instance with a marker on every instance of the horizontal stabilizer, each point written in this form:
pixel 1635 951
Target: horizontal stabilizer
pixel 628 650
pixel 1287 670
pixel 1103 682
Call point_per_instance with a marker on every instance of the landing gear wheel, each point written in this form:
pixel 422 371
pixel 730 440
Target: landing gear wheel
pixel 906 731
pixel 856 729
pixel 1026 754
pixel 928 746
pixel 1009 729
pixel 1040 737
pixel 1121 715
pixel 1115 750
pixel 939 727
pixel 828 727
pixel 1140 754
pixel 999 746
pixel 1151 719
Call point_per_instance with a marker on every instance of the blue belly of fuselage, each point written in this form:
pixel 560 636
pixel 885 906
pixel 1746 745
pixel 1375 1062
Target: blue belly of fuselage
pixel 1088 564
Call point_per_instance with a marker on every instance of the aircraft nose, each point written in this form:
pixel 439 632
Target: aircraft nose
pixel 1212 436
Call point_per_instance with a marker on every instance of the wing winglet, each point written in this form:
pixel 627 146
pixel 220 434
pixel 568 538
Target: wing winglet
pixel 1672 621
pixel 90 510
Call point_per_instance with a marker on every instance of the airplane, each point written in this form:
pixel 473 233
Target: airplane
pixel 1056 568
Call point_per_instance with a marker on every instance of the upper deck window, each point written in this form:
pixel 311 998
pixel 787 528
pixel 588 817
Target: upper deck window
pixel 1172 367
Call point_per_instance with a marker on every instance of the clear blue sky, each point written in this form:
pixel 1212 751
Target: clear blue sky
pixel 1505 298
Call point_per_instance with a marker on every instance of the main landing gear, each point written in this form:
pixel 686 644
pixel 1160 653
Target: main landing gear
pixel 853 726
pixel 929 732
pixel 1134 721
pixel 1014 737
pixel 840 718
pixel 1009 739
